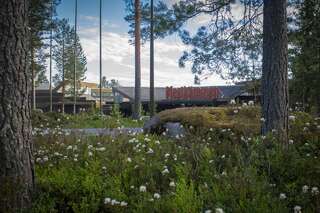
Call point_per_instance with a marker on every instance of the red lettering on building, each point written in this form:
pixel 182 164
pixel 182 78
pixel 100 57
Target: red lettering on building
pixel 192 93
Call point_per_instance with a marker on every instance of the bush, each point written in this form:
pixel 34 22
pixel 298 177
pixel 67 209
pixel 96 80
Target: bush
pixel 206 170
pixel 243 120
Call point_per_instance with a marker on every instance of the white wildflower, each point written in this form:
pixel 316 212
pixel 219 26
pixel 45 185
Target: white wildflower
pixel 219 210
pixel 142 188
pixel 172 184
pixel 232 102
pixel 292 118
pixel 156 196
pixel 305 189
pixel 314 190
pixel 107 200
pixel 123 203
pixel 297 209
pixel 45 158
pixel 150 151
pixel 165 171
pixel 101 149
pixel 282 196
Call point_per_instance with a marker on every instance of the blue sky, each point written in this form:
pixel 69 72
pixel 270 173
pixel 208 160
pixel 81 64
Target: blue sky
pixel 118 54
pixel 113 11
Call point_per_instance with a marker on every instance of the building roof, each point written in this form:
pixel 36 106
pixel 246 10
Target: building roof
pixel 128 92
pixel 88 84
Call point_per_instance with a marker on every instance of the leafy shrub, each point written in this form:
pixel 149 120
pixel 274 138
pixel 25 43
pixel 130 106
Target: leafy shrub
pixel 205 170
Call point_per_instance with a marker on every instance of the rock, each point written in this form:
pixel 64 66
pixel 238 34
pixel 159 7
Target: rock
pixel 152 125
pixel 172 129
pixel 175 130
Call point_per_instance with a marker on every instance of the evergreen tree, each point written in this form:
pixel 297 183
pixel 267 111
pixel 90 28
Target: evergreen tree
pixel 40 16
pixel 16 161
pixel 64 58
pixel 305 56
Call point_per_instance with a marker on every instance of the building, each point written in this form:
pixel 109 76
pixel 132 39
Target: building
pixel 43 100
pixel 172 97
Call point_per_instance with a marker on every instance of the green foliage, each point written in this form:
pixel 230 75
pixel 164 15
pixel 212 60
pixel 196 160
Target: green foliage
pixel 304 56
pixel 205 170
pixel 64 56
pixel 228 45
pixel 116 111
pixel 40 17
pixel 240 119
pixel 82 120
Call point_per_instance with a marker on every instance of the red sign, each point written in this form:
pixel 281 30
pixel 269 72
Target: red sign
pixel 192 93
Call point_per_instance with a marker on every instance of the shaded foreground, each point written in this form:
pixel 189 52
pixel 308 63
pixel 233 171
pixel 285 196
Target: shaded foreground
pixel 217 169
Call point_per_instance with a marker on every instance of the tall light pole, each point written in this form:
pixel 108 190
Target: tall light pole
pixel 100 49
pixel 75 60
pixel 50 75
pixel 151 103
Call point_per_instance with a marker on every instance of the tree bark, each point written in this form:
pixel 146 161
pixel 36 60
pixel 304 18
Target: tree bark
pixel 63 74
pixel 16 163
pixel 275 97
pixel 137 91
pixel 34 105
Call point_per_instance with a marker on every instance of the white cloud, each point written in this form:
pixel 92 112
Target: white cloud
pixel 118 60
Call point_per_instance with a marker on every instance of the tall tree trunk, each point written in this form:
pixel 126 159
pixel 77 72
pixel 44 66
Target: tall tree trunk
pixel 33 77
pixel 50 75
pixel 151 104
pixel 16 164
pixel 75 59
pixel 63 74
pixel 137 91
pixel 100 57
pixel 274 69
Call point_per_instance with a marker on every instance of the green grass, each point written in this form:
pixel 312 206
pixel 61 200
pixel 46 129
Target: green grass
pixel 82 120
pixel 206 170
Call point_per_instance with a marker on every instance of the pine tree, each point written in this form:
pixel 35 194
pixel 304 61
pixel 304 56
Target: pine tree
pixel 305 57
pixel 64 58
pixel 16 160
pixel 40 17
